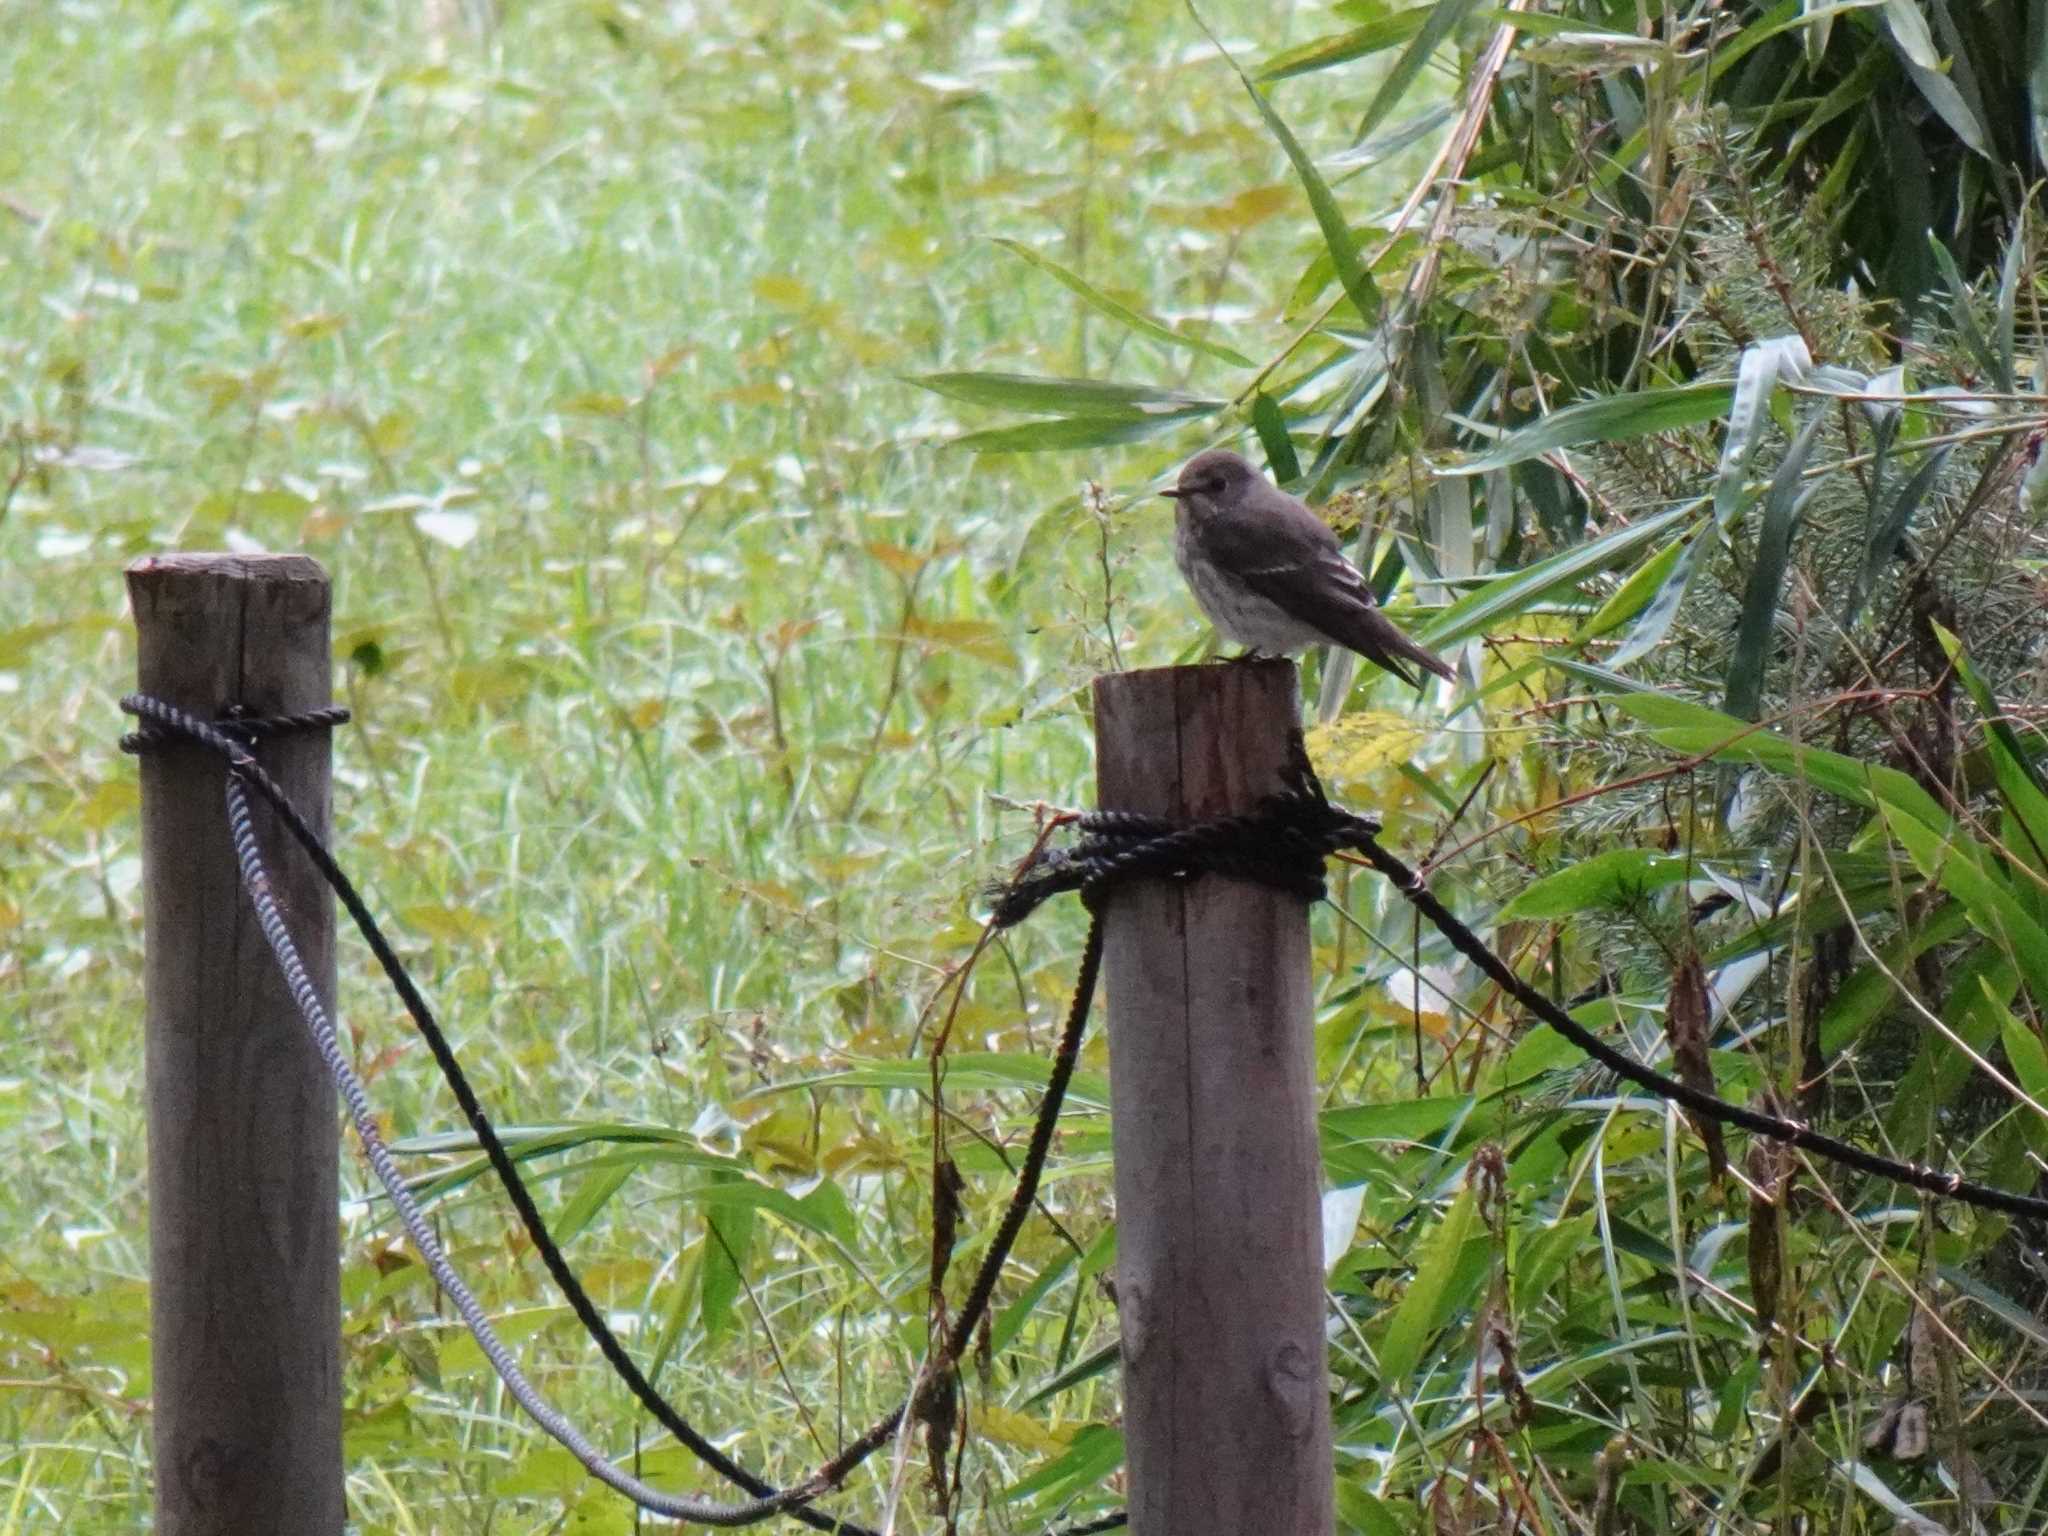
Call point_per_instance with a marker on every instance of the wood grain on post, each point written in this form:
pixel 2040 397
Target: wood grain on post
pixel 244 1238
pixel 1218 1172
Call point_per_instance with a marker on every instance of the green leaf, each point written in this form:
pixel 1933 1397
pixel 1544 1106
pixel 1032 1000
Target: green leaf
pixel 974 1071
pixel 1962 870
pixel 1663 608
pixel 1343 47
pixel 1961 310
pixel 1782 506
pixel 1757 374
pixel 1364 1512
pixel 1620 877
pixel 1980 990
pixel 1519 591
pixel 823 1210
pixel 1091 1456
pixel 1010 1320
pixel 1934 85
pixel 1086 1368
pixel 728 1236
pixel 1697 731
pixel 1123 314
pixel 591 1196
pixel 1329 217
pixel 1063 397
pixel 1444 19
pixel 1851 92
pixel 2004 341
pixel 1425 1304
pixel 1068 433
pixel 1271 426
pixel 2020 783
pixel 1605 419
pixel 1629 598
pixel 1909 30
pixel 1872 986
pixel 2029 1063
pixel 1886 531
pixel 1402 1120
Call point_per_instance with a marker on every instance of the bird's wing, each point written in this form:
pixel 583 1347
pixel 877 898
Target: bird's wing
pixel 1295 563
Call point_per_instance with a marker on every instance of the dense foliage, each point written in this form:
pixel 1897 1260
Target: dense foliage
pixel 700 689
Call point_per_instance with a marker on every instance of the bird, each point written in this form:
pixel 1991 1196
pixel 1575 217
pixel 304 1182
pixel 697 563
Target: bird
pixel 1269 574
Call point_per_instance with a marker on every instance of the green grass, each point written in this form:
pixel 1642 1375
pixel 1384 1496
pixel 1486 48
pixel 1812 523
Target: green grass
pixel 686 664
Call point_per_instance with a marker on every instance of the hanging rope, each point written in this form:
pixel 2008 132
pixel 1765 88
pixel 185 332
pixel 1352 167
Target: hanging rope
pixel 1282 843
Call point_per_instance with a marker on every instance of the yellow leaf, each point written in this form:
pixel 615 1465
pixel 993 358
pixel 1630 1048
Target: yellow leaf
pixel 1358 746
pixel 977 637
pixel 902 561
pixel 594 402
pixel 451 925
pixel 1021 1430
pixel 1250 207
pixel 311 327
pixel 749 394
pixel 783 292
pixel 114 800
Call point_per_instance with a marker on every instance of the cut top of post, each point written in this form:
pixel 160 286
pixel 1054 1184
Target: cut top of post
pixel 1219 732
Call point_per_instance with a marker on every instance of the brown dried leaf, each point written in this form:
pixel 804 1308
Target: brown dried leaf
pixel 1686 1023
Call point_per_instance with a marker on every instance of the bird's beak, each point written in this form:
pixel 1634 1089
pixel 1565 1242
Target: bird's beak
pixel 1171 495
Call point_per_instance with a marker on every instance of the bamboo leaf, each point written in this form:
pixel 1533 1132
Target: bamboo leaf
pixel 591 1197
pixel 2029 1063
pixel 1695 730
pixel 1762 364
pixel 1909 30
pixel 1518 591
pixel 728 1240
pixel 1069 433
pixel 1343 47
pixel 1444 19
pixel 1632 595
pixel 1960 308
pixel 2020 784
pixel 2004 341
pixel 1782 506
pixel 974 1071
pixel 1941 94
pixel 1619 877
pixel 1062 397
pixel 1425 1304
pixel 1663 608
pixel 1330 219
pixel 1271 426
pixel 1960 869
pixel 1123 314
pixel 1886 532
pixel 1605 419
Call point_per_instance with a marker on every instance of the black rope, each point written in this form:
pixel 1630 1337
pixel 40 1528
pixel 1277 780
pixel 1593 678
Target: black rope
pixel 1275 843
pixel 163 722
pixel 1282 843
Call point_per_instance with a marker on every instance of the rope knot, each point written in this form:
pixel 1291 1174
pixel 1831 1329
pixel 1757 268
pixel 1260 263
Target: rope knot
pixel 1282 843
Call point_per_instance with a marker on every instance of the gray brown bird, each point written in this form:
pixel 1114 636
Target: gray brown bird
pixel 1268 572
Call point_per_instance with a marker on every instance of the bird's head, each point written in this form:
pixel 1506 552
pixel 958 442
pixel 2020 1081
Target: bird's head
pixel 1218 474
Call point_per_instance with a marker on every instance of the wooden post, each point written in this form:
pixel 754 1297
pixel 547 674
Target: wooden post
pixel 1218 1171
pixel 244 1238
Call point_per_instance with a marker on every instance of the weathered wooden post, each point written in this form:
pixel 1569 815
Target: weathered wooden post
pixel 1218 1172
pixel 243 1225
